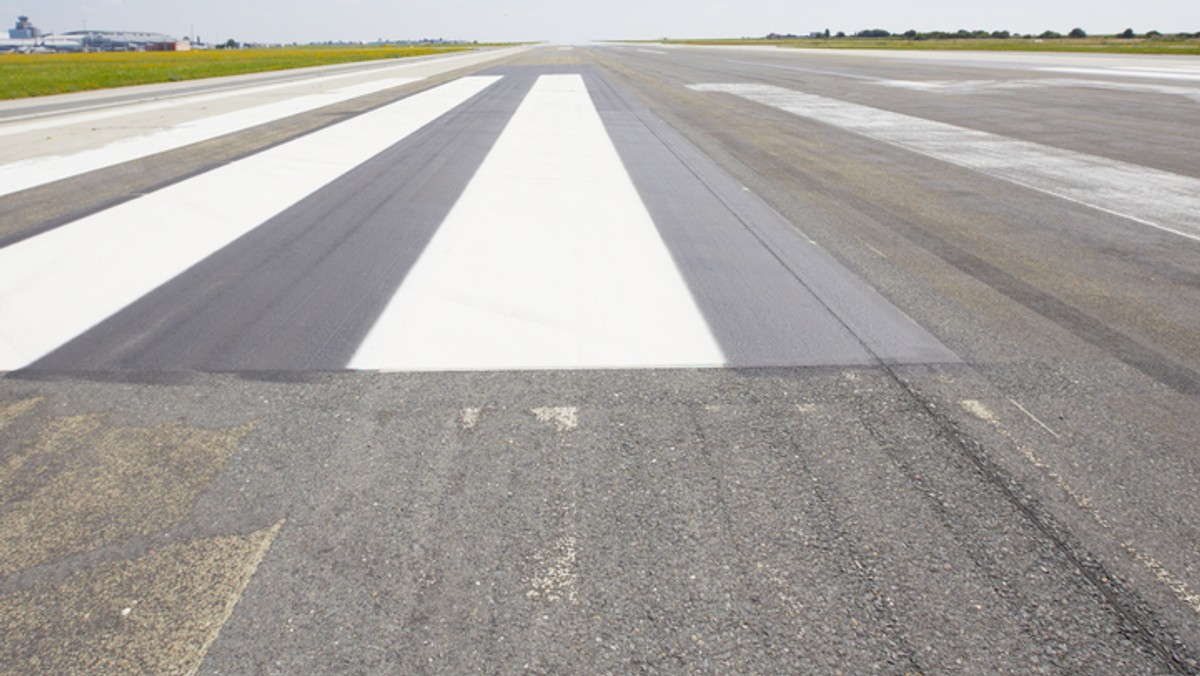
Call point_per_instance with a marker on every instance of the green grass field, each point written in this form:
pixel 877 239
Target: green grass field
pixel 1099 45
pixel 24 75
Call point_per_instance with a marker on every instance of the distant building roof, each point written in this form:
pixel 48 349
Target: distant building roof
pixel 123 36
pixel 26 36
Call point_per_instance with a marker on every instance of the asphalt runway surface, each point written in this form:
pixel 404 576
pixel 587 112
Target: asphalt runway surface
pixel 607 359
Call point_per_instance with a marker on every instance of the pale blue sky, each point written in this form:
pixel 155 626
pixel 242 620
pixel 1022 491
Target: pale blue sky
pixel 582 20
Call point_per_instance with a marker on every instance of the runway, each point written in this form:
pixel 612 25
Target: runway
pixel 569 266
pixel 607 358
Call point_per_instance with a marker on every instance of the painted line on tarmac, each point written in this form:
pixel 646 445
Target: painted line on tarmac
pixel 1159 199
pixel 43 121
pixel 549 259
pixel 30 173
pixel 57 285
pixel 991 86
pixel 1151 73
pixel 813 71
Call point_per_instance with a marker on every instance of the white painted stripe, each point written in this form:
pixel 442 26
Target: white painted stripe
pixel 1151 73
pixel 798 69
pixel 57 285
pixel 1177 68
pixel 986 86
pixel 9 127
pixel 1156 198
pixel 548 260
pixel 37 171
pixel 956 86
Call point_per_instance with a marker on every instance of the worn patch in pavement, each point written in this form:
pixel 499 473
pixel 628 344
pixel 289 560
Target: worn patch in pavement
pixel 156 614
pixel 78 483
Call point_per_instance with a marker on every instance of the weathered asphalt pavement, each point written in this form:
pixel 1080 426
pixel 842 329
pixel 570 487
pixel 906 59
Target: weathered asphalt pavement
pixel 1005 484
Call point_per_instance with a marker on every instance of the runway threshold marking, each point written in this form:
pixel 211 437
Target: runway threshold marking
pixel 1160 199
pixel 549 259
pixel 30 173
pixel 57 285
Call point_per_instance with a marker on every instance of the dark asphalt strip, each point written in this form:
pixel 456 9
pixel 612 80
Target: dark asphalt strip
pixel 770 297
pixel 300 291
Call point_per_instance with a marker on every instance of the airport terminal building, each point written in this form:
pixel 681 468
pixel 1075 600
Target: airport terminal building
pixel 126 41
pixel 26 37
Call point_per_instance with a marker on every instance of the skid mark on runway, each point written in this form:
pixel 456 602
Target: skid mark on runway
pixel 1159 199
pixel 1181 589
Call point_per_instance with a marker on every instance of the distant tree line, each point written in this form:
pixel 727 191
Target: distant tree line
pixel 1076 33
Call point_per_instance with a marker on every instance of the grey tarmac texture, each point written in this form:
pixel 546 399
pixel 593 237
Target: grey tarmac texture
pixel 766 521
pixel 845 517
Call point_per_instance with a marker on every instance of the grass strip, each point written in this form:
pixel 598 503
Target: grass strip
pixel 25 75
